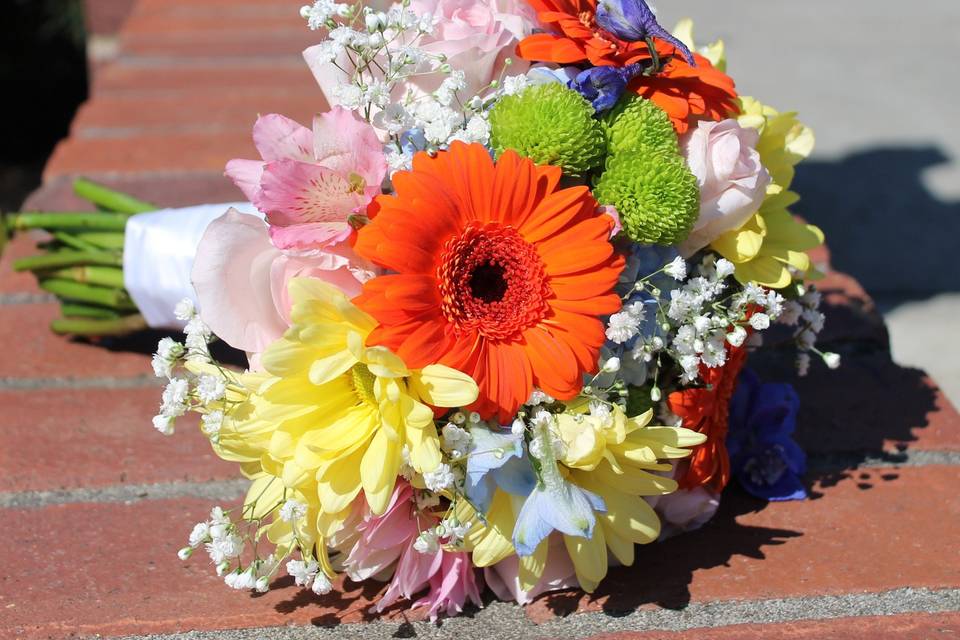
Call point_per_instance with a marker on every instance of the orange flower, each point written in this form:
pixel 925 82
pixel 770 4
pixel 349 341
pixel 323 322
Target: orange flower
pixel 685 92
pixel 689 93
pixel 499 274
pixel 707 410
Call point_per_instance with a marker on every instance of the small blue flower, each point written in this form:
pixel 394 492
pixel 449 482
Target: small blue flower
pixel 603 86
pixel 497 460
pixel 763 456
pixel 633 21
pixel 562 506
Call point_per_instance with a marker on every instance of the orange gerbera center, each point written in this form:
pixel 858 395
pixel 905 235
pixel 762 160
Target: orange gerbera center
pixel 491 281
pixel 497 271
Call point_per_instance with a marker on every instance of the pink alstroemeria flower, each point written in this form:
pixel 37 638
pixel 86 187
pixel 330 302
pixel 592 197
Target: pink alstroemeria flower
pixel 384 543
pixel 310 183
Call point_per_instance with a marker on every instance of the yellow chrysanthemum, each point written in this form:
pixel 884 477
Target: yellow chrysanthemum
pixel 612 456
pixel 772 241
pixel 332 416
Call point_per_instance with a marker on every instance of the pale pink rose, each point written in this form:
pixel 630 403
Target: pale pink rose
pixel 241 279
pixel 477 36
pixel 685 509
pixel 504 580
pixel 723 156
pixel 310 183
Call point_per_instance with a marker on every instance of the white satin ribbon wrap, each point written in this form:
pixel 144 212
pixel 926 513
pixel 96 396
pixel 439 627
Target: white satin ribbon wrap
pixel 158 251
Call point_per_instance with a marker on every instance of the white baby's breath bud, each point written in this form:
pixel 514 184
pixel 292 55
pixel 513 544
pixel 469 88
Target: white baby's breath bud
pixel 321 584
pixel 655 394
pixel 211 423
pixel 262 584
pixel 440 478
pixel 458 418
pixel 474 417
pixel 612 365
pixel 185 553
pixel 199 534
pixel 724 268
pixel 518 427
pixel 831 359
pixel 210 388
pixel 677 269
pixel 760 321
pixel 185 310
pixel 737 337
pixel 164 424
pixel 293 511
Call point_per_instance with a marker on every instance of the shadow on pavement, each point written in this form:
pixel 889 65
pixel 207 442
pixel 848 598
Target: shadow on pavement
pixel 883 225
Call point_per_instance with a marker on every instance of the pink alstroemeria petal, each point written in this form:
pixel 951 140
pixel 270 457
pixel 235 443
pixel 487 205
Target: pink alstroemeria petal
pixel 278 137
pixel 246 175
pixel 316 199
pixel 345 143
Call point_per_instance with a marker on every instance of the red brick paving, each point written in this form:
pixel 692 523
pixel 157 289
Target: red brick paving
pixel 32 351
pixel 96 438
pixel 176 103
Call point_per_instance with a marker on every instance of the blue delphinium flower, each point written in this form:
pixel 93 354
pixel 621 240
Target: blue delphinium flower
pixel 763 456
pixel 497 460
pixel 633 21
pixel 603 86
pixel 554 503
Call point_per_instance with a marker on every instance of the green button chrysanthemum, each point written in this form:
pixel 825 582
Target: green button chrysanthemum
pixel 636 123
pixel 549 124
pixel 655 194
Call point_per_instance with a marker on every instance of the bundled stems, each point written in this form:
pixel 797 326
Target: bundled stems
pixel 93 327
pixel 83 262
pixel 109 199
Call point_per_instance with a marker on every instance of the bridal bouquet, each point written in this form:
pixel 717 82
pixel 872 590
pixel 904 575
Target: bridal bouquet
pixel 497 302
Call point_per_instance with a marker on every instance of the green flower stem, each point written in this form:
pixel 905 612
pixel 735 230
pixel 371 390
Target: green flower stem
pixel 95 327
pixel 87 293
pixel 68 259
pixel 74 242
pixel 110 199
pixel 85 220
pixel 110 240
pixel 111 277
pixel 76 310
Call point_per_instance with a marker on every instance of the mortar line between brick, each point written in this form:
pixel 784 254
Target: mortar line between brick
pixel 211 490
pixel 507 621
pixel 93 382
pixel 231 489
pixel 26 298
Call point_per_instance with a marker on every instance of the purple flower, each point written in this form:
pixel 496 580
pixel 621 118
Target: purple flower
pixel 633 21
pixel 603 86
pixel 763 456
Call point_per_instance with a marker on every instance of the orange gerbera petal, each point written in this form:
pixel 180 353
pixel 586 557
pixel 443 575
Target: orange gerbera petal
pixel 686 92
pixel 478 248
pixel 707 410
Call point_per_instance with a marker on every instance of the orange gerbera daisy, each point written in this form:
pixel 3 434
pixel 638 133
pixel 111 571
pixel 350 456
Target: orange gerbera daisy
pixel 707 410
pixel 685 92
pixel 499 274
